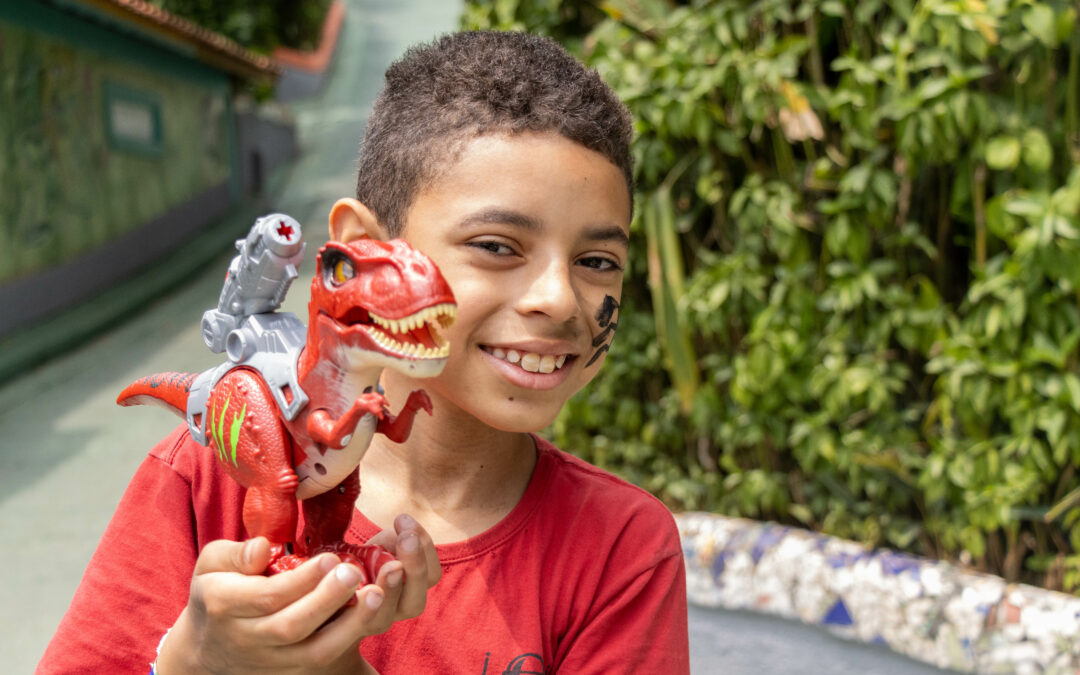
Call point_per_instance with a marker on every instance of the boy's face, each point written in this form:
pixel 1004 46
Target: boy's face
pixel 531 232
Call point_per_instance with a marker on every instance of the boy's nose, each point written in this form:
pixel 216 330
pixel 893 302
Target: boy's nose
pixel 550 292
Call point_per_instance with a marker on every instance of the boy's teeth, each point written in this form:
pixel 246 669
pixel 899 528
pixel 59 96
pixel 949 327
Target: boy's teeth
pixel 530 361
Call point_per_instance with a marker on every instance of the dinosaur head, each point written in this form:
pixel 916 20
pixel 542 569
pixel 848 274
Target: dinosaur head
pixel 381 304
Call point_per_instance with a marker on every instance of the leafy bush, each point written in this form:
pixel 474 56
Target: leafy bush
pixel 854 301
pixel 259 26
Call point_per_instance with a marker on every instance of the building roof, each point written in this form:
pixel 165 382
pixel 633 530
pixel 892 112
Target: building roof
pixel 185 36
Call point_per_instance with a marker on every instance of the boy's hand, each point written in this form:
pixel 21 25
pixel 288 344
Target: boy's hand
pixel 295 622
pixel 237 620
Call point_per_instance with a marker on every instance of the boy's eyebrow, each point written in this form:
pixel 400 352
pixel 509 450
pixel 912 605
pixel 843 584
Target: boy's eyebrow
pixel 612 233
pixel 517 219
pixel 495 215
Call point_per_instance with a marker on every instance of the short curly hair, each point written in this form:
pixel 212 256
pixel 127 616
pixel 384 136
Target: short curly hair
pixel 463 85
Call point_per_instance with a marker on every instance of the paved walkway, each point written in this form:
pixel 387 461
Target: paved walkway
pixel 67 451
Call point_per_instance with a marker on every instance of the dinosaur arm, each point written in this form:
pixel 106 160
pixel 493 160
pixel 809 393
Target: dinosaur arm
pixel 336 433
pixel 397 427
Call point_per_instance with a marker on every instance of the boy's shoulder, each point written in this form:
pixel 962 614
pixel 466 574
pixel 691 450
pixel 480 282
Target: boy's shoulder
pixel 574 487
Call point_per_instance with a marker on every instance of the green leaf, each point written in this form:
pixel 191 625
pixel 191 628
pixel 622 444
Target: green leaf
pixel 1072 383
pixel 1041 22
pixel 993 321
pixel 833 8
pixel 1003 153
pixel 1037 152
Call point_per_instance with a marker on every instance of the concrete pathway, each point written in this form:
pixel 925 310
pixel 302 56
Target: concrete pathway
pixel 67 451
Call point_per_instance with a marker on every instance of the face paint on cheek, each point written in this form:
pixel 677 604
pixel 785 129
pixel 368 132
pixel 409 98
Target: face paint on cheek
pixel 605 318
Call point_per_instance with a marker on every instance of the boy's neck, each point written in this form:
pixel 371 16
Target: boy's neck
pixel 455 475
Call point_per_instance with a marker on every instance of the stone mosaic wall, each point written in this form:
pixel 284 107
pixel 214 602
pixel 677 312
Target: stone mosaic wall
pixel 932 611
pixel 69 189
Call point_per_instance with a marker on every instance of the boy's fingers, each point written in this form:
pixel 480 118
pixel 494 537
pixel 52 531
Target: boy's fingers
pixel 345 632
pixel 403 525
pixel 418 575
pixel 392 581
pixel 258 596
pixel 301 618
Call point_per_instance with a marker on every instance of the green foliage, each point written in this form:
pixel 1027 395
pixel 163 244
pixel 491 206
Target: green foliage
pixel 871 326
pixel 259 26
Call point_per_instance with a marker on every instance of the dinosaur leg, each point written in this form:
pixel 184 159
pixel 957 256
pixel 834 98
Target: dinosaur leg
pixel 326 517
pixel 272 514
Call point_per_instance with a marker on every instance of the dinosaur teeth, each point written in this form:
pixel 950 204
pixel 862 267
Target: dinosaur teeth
pixel 441 314
pixel 436 319
pixel 411 350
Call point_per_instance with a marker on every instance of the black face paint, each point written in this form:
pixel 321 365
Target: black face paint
pixel 605 318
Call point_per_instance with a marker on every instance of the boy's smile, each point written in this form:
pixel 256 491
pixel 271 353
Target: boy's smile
pixel 531 233
pixel 531 368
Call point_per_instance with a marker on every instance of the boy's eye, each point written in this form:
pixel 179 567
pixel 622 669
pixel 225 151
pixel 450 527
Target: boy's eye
pixel 600 264
pixel 341 271
pixel 493 247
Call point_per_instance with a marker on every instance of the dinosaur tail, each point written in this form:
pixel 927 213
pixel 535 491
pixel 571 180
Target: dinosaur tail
pixel 166 390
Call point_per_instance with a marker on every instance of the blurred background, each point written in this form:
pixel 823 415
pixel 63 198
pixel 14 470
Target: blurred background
pixel 853 303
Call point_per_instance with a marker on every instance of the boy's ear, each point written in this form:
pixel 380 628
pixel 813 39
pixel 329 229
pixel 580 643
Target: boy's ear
pixel 350 219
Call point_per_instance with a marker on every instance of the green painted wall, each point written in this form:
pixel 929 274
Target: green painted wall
pixel 65 186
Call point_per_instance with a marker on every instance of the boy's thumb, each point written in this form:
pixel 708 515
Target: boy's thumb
pixel 254 556
pixel 248 557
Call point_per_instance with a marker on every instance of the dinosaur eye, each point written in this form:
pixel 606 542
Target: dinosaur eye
pixel 342 271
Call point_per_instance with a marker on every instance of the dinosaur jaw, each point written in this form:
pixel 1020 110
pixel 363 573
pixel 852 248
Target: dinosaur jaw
pixel 415 344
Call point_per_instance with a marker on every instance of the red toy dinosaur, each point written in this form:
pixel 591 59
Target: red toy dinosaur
pixel 292 413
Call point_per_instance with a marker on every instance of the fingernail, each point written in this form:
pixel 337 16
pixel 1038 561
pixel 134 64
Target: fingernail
pixel 406 522
pixel 393 578
pixel 327 563
pixel 248 552
pixel 347 575
pixel 409 542
pixel 373 600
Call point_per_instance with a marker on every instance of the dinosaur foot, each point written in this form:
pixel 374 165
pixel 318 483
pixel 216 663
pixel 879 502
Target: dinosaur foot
pixel 368 558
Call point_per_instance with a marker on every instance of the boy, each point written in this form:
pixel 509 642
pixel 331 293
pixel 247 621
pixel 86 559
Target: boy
pixel 508 164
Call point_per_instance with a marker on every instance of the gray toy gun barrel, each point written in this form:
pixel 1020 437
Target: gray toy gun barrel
pixel 258 279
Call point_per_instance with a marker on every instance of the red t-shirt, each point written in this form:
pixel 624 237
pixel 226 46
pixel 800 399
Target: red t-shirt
pixel 585 575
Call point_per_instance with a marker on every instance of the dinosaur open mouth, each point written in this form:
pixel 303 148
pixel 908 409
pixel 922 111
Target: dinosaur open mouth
pixel 419 336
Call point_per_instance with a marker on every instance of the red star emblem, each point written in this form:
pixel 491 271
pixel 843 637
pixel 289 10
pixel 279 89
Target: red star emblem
pixel 284 230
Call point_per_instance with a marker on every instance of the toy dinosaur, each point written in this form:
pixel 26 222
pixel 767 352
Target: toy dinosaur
pixel 292 411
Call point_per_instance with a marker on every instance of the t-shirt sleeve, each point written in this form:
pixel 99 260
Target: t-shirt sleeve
pixel 137 581
pixel 639 625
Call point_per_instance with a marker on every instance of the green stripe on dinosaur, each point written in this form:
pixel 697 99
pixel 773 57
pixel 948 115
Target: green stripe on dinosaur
pixel 221 429
pixel 213 431
pixel 234 431
pixel 217 429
